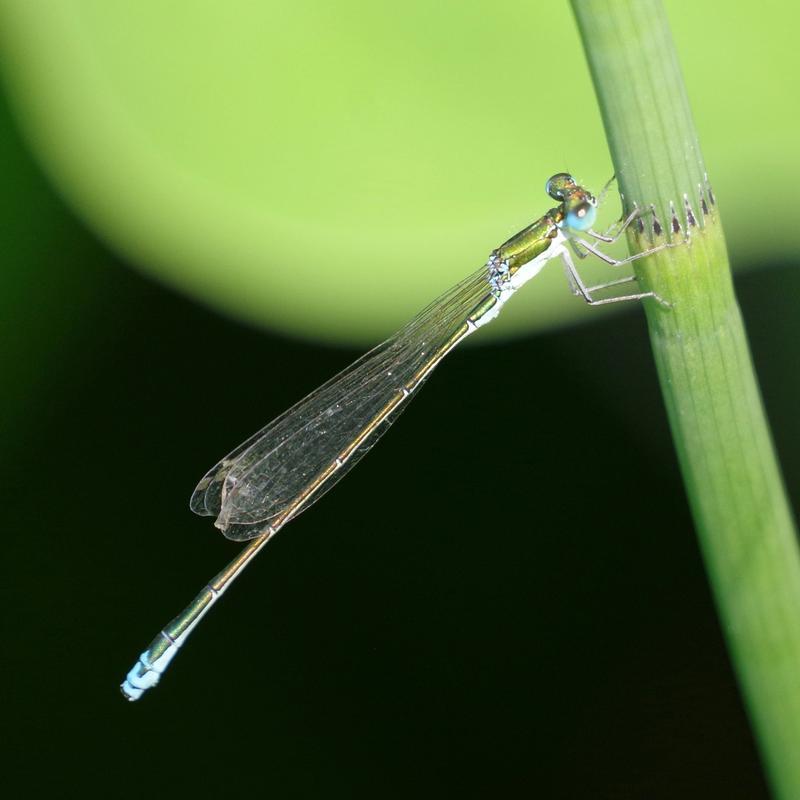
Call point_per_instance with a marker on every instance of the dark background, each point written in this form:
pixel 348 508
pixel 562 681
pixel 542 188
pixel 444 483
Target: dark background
pixel 506 595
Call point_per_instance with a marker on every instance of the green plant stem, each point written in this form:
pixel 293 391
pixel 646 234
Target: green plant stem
pixel 721 435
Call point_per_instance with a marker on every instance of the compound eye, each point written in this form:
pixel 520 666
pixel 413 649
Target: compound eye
pixel 560 185
pixel 582 216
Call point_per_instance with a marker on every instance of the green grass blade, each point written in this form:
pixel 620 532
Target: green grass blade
pixel 721 435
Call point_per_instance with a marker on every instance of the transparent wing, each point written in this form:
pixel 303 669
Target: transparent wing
pixel 274 468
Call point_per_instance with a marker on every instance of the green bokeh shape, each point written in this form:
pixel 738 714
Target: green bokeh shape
pixel 326 169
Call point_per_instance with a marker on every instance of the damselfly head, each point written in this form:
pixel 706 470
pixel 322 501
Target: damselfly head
pixel 579 206
pixel 560 185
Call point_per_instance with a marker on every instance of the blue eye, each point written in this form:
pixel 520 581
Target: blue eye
pixel 581 218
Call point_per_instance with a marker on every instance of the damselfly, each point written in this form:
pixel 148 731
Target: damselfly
pixel 288 465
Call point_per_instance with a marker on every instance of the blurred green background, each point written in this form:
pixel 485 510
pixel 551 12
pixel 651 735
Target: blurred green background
pixel 441 624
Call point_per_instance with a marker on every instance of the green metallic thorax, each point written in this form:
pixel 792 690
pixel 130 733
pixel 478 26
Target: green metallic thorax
pixel 532 241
